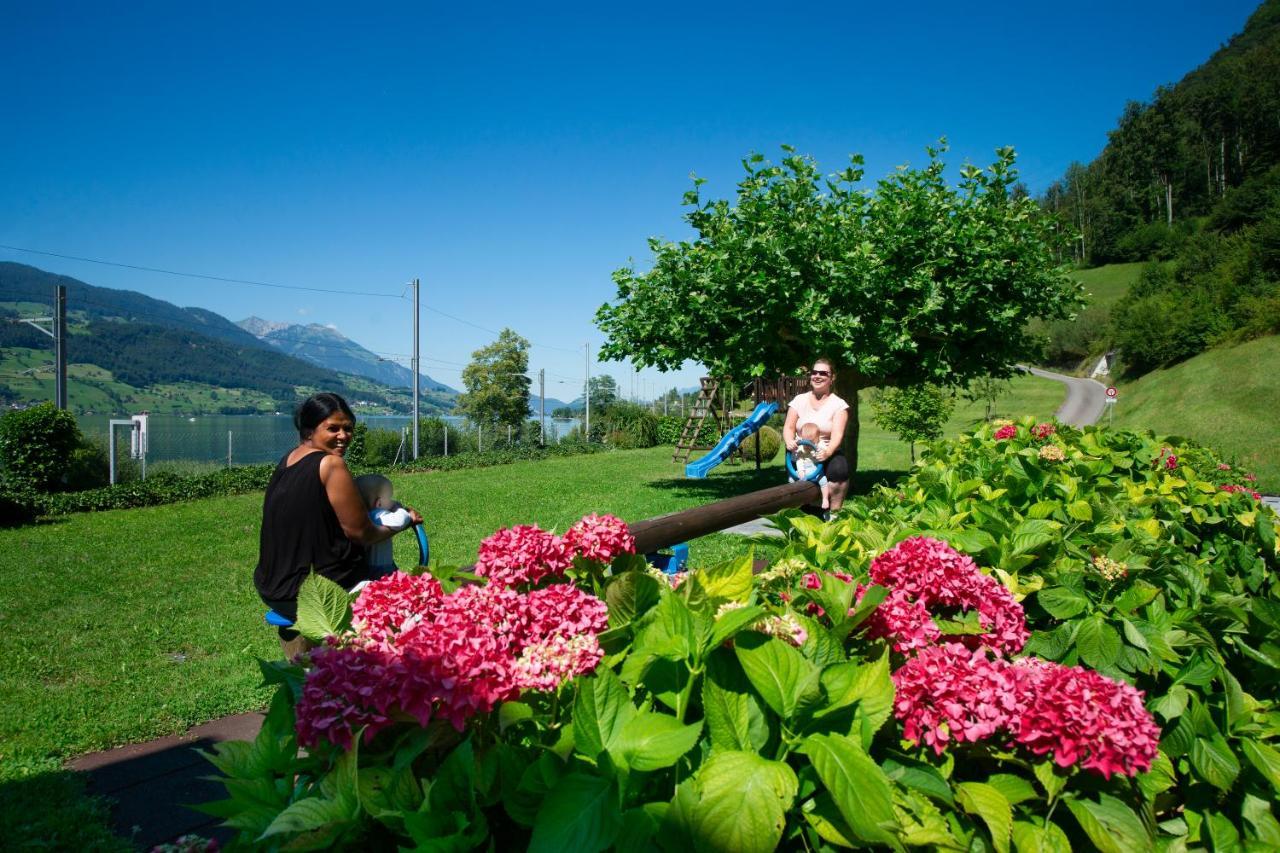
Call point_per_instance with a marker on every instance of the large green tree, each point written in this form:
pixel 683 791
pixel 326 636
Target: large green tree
pixel 497 384
pixel 604 391
pixel 917 281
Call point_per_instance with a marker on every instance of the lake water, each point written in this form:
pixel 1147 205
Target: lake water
pixel 253 438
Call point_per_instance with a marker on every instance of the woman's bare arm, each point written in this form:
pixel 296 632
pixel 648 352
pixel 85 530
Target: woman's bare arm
pixel 789 430
pixel 347 504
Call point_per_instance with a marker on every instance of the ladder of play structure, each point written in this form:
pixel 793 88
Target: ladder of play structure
pixel 702 406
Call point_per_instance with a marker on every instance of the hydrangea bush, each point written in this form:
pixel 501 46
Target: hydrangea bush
pixel 1009 650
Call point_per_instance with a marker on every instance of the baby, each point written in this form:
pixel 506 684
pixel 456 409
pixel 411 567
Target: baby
pixel 384 510
pixel 805 460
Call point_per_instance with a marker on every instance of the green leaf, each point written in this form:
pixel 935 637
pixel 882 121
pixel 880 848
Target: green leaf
pixel 600 710
pixel 1062 602
pixel 859 788
pixel 324 608
pixel 1050 778
pixel 1015 789
pixel 1257 813
pixel 630 595
pixel 1139 594
pixel 652 741
pixel 872 597
pixel 731 580
pixel 1214 761
pixel 1080 510
pixel 1160 778
pixel 580 813
pixel 1031 534
pixel 638 828
pixel 742 802
pixel 1098 642
pixel 523 799
pixel 1030 838
pixel 989 804
pixel 727 717
pixel 919 776
pixel 1111 825
pixel 1223 833
pixel 1264 758
pixel 312 814
pixel 668 630
pixel 778 672
pixel 453 786
pixel 868 684
pixel 732 622
pixel 513 713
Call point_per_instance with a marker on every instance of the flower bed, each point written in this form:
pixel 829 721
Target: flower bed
pixel 1011 649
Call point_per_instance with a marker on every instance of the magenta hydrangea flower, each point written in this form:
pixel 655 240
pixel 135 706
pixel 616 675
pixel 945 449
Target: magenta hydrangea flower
pixel 1043 431
pixel 417 650
pixel 932 574
pixel 948 693
pixel 1005 432
pixel 524 554
pixel 600 538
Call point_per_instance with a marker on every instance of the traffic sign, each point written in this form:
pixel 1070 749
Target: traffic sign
pixel 1113 392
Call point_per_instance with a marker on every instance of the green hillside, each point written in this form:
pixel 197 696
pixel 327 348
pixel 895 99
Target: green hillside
pixel 1105 285
pixel 1227 398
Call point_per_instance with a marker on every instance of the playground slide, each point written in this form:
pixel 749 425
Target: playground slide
pixel 698 468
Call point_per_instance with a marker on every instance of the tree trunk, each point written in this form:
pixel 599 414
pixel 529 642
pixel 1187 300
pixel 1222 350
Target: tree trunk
pixel 847 385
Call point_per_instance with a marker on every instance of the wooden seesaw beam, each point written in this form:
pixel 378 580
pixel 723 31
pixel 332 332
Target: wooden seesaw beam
pixel 653 534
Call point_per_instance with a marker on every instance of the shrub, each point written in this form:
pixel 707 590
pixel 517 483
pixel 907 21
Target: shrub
pixel 19 503
pixel 36 445
pixel 628 425
pixel 669 428
pixel 915 413
pixel 770 442
pixel 381 447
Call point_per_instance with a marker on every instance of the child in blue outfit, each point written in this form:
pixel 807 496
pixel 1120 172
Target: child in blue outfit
pixel 805 459
pixel 385 511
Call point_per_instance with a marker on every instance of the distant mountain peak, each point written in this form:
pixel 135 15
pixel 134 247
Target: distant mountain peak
pixel 258 327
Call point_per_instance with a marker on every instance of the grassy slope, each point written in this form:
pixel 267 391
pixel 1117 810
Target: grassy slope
pixel 1226 398
pixel 1105 285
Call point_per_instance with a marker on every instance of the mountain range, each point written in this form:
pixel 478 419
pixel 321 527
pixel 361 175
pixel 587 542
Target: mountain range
pixel 326 347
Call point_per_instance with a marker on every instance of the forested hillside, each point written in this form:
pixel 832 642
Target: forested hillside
pixel 1189 182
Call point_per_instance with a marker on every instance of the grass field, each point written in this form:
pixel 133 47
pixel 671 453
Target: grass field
pixel 1226 398
pixel 1105 285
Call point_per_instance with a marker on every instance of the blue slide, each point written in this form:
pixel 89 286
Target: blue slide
pixel 698 469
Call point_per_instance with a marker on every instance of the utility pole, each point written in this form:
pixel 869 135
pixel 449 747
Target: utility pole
pixel 415 368
pixel 587 428
pixel 58 331
pixel 542 406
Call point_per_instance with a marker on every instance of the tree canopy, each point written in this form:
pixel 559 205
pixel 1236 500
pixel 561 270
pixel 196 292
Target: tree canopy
pixel 497 387
pixel 917 281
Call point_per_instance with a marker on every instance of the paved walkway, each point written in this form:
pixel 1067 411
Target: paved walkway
pixel 151 784
pixel 1086 398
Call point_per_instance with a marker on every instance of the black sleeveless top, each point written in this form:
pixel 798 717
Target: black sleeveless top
pixel 300 531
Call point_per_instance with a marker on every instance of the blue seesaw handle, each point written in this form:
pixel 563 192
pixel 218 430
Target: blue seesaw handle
pixel 815 474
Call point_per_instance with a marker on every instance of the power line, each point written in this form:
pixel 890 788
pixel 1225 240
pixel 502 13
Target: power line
pixel 200 275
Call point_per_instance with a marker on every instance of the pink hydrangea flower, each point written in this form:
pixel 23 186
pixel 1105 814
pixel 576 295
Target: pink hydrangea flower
pixel 1043 431
pixel 418 651
pixel 931 573
pixel 600 538
pixel 1222 466
pixel 1082 717
pixel 948 693
pixel 523 554
pixel 1005 432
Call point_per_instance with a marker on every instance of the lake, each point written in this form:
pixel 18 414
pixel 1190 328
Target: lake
pixel 253 438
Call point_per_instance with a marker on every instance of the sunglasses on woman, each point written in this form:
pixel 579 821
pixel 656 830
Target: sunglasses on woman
pixel 819 372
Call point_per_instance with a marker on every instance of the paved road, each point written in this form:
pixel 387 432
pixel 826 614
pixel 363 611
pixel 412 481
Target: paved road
pixel 1085 397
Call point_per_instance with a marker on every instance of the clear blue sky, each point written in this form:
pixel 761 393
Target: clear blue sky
pixel 510 158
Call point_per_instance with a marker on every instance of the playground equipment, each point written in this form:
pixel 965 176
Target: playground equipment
pixel 424 557
pixel 815 475
pixel 769 396
pixel 730 441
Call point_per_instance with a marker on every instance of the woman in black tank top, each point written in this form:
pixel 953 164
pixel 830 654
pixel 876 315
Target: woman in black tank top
pixel 312 515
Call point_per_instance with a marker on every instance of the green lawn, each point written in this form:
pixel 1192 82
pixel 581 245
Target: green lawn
pixel 1226 398
pixel 1105 285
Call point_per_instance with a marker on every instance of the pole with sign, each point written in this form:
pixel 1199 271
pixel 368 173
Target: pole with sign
pixel 1112 394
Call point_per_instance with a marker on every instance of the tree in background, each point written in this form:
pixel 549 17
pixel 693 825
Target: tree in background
pixel 497 387
pixel 604 391
pixel 986 390
pixel 918 281
pixel 916 413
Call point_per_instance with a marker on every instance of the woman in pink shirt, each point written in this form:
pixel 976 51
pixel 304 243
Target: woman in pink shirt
pixel 821 407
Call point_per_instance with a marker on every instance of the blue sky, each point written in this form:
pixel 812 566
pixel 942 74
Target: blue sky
pixel 509 157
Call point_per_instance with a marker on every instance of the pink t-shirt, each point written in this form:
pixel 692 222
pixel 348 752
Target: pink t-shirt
pixel 823 415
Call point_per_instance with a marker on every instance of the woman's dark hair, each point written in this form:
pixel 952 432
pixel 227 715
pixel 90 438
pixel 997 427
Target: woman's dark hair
pixel 313 411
